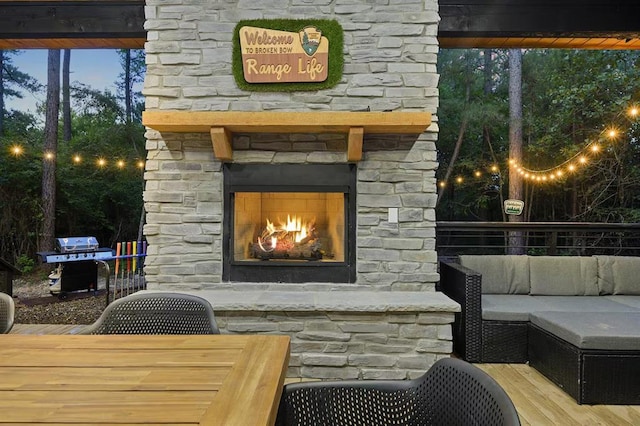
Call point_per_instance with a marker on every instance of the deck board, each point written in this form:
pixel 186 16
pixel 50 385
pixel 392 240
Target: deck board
pixel 539 402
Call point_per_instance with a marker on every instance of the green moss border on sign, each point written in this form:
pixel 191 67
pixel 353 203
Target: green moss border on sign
pixel 330 29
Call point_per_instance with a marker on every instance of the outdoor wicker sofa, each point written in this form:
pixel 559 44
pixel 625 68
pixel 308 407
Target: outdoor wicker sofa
pixel 559 313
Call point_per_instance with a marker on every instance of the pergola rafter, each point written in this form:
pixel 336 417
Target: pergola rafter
pixel 591 24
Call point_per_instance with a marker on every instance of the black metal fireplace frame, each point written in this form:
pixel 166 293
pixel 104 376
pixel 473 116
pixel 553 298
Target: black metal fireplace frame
pixel 289 178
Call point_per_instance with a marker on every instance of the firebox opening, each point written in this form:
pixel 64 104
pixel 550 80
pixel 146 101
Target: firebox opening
pixel 289 223
pixel 289 226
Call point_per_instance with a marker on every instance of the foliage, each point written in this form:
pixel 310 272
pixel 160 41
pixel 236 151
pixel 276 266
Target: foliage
pixel 137 72
pixel 105 202
pixel 25 263
pixel 15 81
pixel 569 98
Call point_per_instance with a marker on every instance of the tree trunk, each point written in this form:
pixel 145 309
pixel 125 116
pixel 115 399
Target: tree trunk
pixel 127 87
pixel 66 97
pixel 50 149
pixel 1 93
pixel 516 239
pixel 454 155
pixel 461 132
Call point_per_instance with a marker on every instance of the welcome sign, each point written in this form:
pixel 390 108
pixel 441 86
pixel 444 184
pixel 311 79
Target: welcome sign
pixel 274 56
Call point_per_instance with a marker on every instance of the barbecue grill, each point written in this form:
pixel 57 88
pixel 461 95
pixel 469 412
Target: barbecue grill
pixel 77 260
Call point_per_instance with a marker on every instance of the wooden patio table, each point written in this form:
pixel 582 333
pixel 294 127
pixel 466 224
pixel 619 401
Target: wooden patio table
pixel 141 379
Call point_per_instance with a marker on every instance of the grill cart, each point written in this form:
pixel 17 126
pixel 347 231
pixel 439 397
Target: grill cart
pixel 77 260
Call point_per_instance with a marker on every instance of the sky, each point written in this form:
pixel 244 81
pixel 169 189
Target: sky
pixel 97 68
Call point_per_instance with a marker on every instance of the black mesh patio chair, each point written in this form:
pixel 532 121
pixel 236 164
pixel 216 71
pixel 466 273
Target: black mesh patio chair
pixel 7 312
pixel 453 392
pixel 156 313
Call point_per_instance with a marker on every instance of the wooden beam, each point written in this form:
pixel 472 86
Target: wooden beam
pixel 403 122
pixel 222 124
pixel 592 43
pixel 354 144
pixel 72 24
pixel 221 140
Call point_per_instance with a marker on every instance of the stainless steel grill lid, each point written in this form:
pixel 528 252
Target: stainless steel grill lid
pixel 76 244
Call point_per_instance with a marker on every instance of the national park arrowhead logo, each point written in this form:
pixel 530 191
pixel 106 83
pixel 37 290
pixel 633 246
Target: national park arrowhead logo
pixel 310 38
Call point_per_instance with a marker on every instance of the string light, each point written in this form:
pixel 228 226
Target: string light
pixel 571 165
pixel 18 150
pixel 581 158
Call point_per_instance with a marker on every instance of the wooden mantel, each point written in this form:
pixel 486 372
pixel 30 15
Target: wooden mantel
pixel 222 124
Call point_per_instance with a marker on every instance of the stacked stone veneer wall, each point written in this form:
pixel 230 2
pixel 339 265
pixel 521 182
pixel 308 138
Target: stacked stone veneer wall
pixel 352 345
pixel 390 53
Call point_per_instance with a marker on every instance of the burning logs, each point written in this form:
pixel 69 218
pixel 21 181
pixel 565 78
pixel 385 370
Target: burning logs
pixel 291 241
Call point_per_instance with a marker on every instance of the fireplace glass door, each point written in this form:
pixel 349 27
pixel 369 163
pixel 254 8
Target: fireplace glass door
pixel 289 226
pixel 289 223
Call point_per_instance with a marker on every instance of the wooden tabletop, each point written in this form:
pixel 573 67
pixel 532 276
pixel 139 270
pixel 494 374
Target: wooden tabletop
pixel 130 380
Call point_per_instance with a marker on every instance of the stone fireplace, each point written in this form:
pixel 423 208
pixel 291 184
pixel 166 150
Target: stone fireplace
pixel 228 169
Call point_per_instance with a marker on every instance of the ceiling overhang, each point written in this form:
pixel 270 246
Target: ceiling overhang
pixel 580 24
pixel 75 24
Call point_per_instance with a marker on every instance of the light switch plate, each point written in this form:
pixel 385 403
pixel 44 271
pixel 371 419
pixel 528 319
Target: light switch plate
pixel 393 215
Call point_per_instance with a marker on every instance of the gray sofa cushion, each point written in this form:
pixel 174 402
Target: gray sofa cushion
pixel 633 301
pixel 582 304
pixel 593 330
pixel 619 275
pixel 516 307
pixel 563 276
pixel 510 307
pixel 501 274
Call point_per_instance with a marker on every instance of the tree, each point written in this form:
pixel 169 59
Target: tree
pixel 50 151
pixel 516 238
pixel 1 92
pixel 66 97
pixel 472 109
pixel 12 82
pixel 133 65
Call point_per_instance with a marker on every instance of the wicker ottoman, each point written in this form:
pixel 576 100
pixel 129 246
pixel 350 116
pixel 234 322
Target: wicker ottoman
pixel 593 356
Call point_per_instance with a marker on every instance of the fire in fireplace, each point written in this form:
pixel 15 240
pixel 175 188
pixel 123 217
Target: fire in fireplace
pixel 289 223
pixel 291 239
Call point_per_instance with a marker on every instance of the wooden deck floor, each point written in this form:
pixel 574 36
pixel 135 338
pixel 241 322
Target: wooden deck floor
pixel 538 401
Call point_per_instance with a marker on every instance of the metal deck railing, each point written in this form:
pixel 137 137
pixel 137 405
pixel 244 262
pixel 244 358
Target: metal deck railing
pixel 539 238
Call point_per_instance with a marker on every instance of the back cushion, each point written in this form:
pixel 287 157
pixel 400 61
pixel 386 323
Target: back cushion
pixel 501 274
pixel 564 276
pixel 619 275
